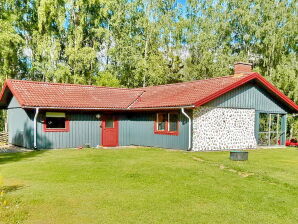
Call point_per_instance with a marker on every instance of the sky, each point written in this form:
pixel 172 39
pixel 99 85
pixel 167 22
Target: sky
pixel 183 2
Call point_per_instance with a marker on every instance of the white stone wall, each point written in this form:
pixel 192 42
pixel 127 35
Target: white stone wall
pixel 223 129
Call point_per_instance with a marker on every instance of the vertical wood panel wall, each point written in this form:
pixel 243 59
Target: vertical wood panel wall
pixel 138 129
pixel 84 129
pixel 20 129
pixel 249 96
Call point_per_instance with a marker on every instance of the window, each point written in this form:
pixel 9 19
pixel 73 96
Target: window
pixel 166 123
pixel 270 129
pixel 56 122
pixel 109 122
pixel 161 121
pixel 173 122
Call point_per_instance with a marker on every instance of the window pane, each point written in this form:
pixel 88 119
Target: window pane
pixel 161 125
pixel 55 122
pixel 275 125
pixel 263 139
pixel 173 123
pixel 264 122
pixel 279 123
pixel 274 122
pixel 274 139
pixel 55 114
pixel 270 129
pixel 109 122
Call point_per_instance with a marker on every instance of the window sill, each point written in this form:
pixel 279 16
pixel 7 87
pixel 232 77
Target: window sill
pixel 66 129
pixel 166 132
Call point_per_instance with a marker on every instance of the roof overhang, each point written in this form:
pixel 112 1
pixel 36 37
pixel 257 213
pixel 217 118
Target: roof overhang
pixel 111 109
pixel 5 96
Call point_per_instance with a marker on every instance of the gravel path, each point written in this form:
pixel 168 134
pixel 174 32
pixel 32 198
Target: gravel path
pixel 12 149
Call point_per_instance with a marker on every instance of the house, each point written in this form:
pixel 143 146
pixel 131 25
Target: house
pixel 240 111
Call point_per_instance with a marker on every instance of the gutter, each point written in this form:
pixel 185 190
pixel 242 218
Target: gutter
pixel 35 127
pixel 189 128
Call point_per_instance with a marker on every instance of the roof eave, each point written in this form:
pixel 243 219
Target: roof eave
pixel 8 87
pixel 110 108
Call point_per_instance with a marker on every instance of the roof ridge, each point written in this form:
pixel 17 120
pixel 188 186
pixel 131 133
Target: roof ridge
pixel 72 84
pixel 198 80
pixel 136 99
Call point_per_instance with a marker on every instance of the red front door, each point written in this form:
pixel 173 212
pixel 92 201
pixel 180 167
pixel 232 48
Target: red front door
pixel 109 130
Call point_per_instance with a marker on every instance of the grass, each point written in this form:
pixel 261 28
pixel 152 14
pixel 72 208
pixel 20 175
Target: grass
pixel 150 186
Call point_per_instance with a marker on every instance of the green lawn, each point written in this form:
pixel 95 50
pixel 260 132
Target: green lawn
pixel 149 186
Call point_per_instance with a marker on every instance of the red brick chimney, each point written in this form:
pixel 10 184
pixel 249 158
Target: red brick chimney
pixel 242 67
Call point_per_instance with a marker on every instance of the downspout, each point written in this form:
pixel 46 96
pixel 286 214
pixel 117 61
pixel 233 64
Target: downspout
pixel 189 128
pixel 35 127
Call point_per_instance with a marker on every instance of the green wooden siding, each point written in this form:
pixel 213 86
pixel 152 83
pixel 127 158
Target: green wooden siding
pixel 138 129
pixel 249 96
pixel 20 126
pixel 84 129
pixel 134 129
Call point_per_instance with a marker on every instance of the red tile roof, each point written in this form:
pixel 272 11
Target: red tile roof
pixel 42 94
pixel 187 94
pixel 183 94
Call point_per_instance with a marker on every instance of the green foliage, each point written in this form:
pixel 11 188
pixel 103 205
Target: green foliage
pixel 292 131
pixel 106 79
pixel 10 45
pixel 3 116
pixel 145 42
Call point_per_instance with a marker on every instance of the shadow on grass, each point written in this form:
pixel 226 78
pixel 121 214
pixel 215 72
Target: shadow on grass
pixel 11 188
pixel 17 156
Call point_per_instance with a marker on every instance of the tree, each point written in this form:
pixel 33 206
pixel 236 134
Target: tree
pixel 10 44
pixel 134 43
